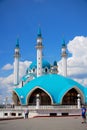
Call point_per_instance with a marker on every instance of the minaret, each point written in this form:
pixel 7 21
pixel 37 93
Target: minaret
pixel 39 48
pixel 16 63
pixel 64 59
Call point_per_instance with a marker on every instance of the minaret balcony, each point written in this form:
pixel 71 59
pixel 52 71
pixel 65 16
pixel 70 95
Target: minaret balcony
pixel 39 46
pixel 17 55
pixel 64 55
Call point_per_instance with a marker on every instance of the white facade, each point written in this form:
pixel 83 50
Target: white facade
pixel 16 71
pixel 64 66
pixel 16 65
pixel 64 60
pixel 39 48
pixel 39 62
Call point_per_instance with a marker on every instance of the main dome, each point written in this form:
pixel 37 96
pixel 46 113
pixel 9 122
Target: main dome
pixel 54 86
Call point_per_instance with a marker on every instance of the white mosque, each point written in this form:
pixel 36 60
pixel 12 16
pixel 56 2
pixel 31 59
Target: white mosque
pixel 41 83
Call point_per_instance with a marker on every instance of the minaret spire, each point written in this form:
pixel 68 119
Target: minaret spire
pixel 39 32
pixel 16 63
pixel 17 43
pixel 64 59
pixel 39 48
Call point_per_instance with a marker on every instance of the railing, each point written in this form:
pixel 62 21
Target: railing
pixel 18 111
pixel 44 107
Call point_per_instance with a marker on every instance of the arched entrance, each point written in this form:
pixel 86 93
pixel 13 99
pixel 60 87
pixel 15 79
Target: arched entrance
pixel 44 97
pixel 70 97
pixel 15 99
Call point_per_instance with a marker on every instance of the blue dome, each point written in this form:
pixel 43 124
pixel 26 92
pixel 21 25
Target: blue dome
pixel 44 65
pixel 55 85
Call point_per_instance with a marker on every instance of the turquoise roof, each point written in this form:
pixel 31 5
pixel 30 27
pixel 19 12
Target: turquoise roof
pixel 39 32
pixel 44 64
pixel 63 43
pixel 17 43
pixel 55 85
pixel 25 77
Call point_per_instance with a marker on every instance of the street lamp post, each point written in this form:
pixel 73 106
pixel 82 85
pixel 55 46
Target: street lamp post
pixel 78 101
pixel 5 102
pixel 37 101
pixel 21 97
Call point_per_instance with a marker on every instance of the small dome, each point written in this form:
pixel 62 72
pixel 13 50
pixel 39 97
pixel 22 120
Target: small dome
pixel 44 65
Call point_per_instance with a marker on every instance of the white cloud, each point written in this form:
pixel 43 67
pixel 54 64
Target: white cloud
pixel 6 83
pixel 23 66
pixel 78 46
pixel 77 63
pixel 7 67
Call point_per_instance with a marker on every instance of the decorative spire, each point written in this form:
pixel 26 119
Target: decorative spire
pixel 17 43
pixel 39 39
pixel 17 49
pixel 39 32
pixel 63 43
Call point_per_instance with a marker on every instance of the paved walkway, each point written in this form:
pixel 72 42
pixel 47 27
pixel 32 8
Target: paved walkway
pixel 46 123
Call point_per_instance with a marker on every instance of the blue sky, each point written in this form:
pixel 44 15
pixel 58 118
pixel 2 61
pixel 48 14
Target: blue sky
pixel 58 19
